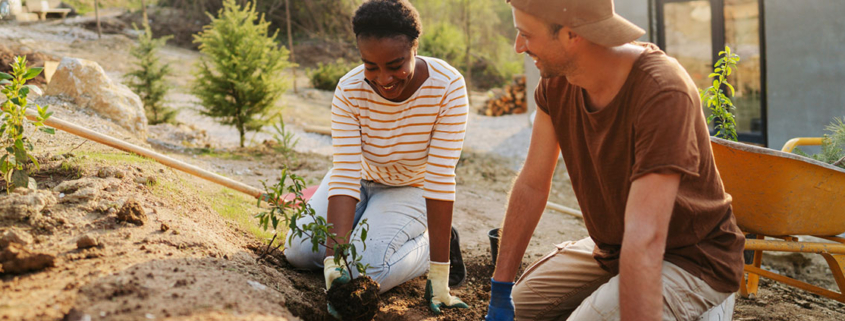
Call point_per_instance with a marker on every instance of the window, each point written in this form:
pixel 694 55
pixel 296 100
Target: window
pixel 694 31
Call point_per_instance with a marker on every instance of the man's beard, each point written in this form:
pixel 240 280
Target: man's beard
pixel 549 70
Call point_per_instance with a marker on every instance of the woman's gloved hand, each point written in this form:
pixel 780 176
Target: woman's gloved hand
pixel 437 289
pixel 501 302
pixel 335 274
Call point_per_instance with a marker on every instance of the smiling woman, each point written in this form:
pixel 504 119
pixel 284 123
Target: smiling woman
pixel 398 124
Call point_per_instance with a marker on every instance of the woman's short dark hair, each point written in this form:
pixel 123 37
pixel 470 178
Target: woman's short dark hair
pixel 387 18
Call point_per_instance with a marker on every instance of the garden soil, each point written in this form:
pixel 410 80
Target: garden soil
pixel 189 249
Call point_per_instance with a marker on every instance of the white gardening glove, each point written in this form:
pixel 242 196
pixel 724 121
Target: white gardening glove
pixel 437 289
pixel 334 272
pixel 335 275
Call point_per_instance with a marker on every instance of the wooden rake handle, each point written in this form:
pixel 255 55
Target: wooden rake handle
pixel 127 147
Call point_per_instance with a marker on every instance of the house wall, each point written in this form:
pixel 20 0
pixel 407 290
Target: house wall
pixel 805 53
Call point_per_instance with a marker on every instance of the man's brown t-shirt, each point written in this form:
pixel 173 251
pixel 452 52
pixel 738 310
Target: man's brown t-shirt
pixel 655 124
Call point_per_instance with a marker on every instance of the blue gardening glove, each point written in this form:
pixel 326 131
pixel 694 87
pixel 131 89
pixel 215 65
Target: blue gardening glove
pixel 335 275
pixel 437 289
pixel 501 302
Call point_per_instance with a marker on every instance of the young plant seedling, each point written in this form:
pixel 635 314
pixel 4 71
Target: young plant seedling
pixel 16 145
pixel 719 103
pixel 355 300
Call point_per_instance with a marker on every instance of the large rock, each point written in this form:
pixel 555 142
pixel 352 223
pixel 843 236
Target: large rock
pixel 88 85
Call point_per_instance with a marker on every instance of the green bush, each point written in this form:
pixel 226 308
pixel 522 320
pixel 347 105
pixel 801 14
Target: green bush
pixel 241 74
pixel 147 80
pixel 326 76
pixel 833 145
pixel 444 41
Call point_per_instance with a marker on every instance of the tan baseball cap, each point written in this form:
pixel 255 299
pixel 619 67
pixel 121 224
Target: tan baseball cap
pixel 595 20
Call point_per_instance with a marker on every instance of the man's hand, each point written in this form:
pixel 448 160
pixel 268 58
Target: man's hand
pixel 501 302
pixel 437 289
pixel 335 275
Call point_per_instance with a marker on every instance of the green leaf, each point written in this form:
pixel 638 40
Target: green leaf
pixel 34 89
pixel 20 179
pixel 5 82
pixel 733 91
pixel 23 91
pixel 5 76
pixel 34 161
pixel 47 130
pixel 32 73
pixel 4 165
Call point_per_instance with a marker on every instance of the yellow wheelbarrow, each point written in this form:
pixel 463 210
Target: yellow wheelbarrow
pixel 780 195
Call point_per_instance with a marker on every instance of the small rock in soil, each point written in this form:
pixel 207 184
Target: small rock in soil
pixel 25 203
pixel 164 227
pixel 106 172
pixel 132 212
pixel 86 241
pixel 15 235
pixel 146 180
pixel 82 195
pixel 16 260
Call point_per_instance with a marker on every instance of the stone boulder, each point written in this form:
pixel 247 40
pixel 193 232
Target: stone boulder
pixel 88 85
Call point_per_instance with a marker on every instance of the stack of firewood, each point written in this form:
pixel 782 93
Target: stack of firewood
pixel 510 101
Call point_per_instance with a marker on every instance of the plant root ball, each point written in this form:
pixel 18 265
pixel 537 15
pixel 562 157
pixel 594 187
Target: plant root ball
pixel 356 300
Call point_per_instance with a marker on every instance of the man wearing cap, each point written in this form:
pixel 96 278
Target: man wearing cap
pixel 628 120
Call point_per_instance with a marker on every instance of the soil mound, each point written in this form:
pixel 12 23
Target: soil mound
pixel 356 300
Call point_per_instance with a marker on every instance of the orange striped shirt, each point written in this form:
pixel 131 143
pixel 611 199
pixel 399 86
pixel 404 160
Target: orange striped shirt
pixel 412 143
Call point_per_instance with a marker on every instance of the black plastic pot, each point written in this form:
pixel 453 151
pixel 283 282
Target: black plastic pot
pixel 494 243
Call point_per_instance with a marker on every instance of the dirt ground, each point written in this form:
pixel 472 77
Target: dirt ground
pixel 194 257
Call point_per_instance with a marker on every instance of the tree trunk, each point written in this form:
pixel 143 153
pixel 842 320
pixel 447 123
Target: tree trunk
pixel 468 30
pixel 97 13
pixel 241 131
pixel 290 42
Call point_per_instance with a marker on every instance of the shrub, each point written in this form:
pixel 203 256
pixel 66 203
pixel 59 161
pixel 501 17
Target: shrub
pixel 16 145
pixel 833 145
pixel 148 79
pixel 444 41
pixel 326 76
pixel 715 99
pixel 285 141
pixel 240 76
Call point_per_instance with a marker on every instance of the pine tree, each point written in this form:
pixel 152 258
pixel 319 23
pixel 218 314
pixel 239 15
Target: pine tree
pixel 148 79
pixel 241 74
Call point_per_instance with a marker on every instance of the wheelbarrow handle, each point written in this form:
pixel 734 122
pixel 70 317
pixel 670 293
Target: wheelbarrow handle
pixel 800 141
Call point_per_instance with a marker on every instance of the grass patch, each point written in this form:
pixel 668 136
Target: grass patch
pixel 107 159
pixel 86 6
pixel 240 208
pixel 221 154
pixel 228 203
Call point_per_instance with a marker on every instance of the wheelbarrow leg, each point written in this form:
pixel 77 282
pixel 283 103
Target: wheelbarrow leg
pixel 751 281
pixel 837 268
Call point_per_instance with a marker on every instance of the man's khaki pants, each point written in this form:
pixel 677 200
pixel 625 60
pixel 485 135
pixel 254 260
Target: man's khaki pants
pixel 568 284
